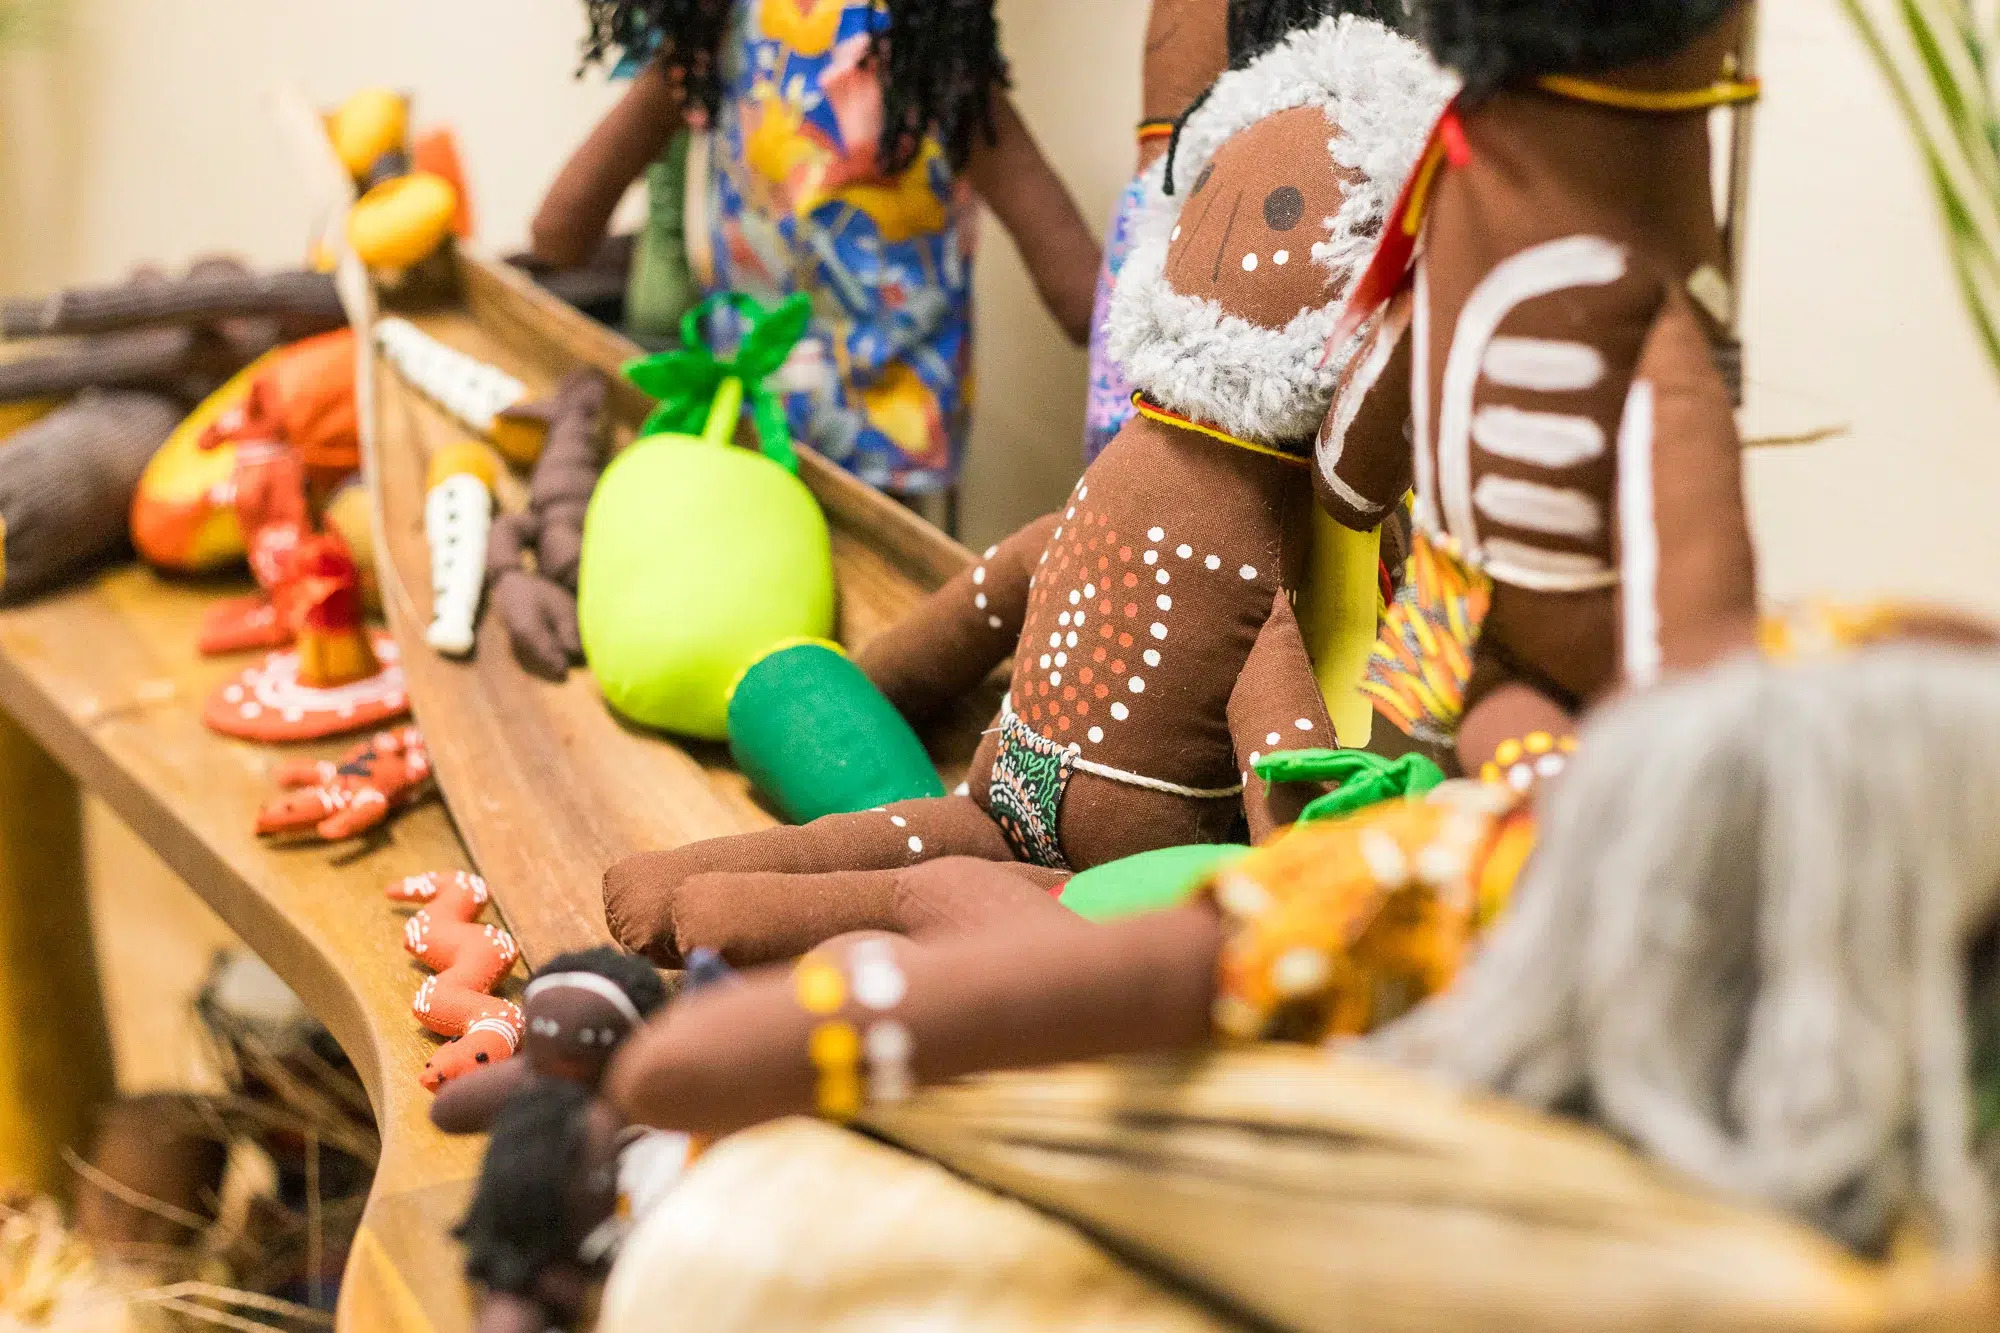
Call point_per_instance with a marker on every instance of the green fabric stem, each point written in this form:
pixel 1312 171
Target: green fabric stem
pixel 817 738
pixel 686 380
pixel 1364 779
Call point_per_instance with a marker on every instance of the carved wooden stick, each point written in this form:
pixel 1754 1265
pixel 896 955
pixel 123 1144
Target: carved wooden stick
pixel 305 301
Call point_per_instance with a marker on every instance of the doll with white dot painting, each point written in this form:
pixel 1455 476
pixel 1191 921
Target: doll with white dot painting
pixel 1156 653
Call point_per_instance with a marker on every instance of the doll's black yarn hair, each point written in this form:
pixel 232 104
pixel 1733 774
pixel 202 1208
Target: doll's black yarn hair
pixel 516 1229
pixel 1255 26
pixel 940 63
pixel 1492 43
pixel 629 972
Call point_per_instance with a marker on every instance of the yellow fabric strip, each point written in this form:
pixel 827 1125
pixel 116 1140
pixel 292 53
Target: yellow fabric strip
pixel 1153 412
pixel 1724 92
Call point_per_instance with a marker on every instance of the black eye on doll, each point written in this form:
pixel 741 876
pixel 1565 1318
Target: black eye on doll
pixel 1284 207
pixel 480 1058
pixel 1202 179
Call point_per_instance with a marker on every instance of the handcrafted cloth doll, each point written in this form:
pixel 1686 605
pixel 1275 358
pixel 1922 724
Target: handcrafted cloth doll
pixel 1332 930
pixel 1156 657
pixel 1542 308
pixel 848 139
pixel 1188 44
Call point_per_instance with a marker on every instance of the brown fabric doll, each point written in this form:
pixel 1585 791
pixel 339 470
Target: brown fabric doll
pixel 1543 308
pixel 1156 657
pixel 943 74
pixel 539 605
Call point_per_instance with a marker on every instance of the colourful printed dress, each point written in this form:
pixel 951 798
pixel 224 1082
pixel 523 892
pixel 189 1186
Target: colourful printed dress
pixel 1110 403
pixel 798 201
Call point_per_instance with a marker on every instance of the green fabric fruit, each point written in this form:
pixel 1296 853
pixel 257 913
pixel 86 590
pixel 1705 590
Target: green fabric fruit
pixel 699 557
pixel 817 738
pixel 1148 882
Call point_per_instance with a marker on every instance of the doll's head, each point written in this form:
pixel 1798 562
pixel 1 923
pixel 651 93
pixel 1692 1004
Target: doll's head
pixel 549 1181
pixel 940 62
pixel 1496 42
pixel 1282 179
pixel 581 1006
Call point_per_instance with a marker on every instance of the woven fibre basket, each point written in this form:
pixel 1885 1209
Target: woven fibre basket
pixel 1322 1193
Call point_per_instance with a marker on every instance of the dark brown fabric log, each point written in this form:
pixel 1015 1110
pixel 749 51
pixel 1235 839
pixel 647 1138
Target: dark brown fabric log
pixel 66 486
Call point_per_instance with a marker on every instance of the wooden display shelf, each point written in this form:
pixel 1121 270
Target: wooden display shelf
pixel 106 678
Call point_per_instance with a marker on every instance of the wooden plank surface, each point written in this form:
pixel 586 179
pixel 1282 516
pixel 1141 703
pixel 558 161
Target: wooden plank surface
pixel 106 678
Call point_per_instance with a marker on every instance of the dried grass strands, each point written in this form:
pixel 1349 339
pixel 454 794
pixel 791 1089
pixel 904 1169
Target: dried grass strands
pixel 1326 1193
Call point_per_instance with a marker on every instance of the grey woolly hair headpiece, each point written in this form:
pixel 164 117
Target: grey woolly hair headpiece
pixel 1383 93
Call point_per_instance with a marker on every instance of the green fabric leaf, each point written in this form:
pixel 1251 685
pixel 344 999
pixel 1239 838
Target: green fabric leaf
pixel 686 380
pixel 1364 779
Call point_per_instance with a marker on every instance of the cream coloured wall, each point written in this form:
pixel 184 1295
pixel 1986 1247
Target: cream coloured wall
pixel 145 136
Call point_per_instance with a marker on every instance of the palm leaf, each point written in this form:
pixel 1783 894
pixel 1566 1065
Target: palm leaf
pixel 1936 62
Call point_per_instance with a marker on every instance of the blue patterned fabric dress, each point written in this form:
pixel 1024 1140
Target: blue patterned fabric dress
pixel 798 201
pixel 1110 404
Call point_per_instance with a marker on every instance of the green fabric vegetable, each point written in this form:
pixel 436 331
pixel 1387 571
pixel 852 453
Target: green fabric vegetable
pixel 700 557
pixel 817 738
pixel 662 288
pixel 1148 882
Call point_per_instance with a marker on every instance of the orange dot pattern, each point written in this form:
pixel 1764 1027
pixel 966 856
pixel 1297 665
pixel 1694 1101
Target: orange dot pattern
pixel 1099 617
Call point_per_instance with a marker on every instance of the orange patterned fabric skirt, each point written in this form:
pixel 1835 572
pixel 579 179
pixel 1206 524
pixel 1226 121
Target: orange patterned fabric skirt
pixel 1337 928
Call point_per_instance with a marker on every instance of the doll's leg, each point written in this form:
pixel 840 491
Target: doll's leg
pixel 639 891
pixel 1005 998
pixel 754 918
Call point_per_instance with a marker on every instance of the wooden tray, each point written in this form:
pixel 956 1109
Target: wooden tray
pixel 546 786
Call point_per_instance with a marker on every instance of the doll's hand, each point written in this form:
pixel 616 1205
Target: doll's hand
pixel 541 623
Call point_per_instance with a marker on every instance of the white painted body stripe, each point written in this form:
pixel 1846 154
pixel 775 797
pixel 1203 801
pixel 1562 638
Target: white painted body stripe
pixel 1639 537
pixel 1394 326
pixel 1540 439
pixel 1537 570
pixel 1420 403
pixel 1533 507
pixel 1574 261
pixel 1543 365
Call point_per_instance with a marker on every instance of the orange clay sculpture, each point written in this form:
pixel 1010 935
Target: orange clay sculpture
pixel 338 677
pixel 470 959
pixel 339 800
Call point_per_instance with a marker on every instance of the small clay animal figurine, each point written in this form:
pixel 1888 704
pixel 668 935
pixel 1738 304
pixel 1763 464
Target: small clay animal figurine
pixel 543 1222
pixel 576 1011
pixel 470 960
pixel 339 800
pixel 1543 308
pixel 1156 654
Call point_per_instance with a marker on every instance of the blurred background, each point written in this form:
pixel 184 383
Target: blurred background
pixel 134 130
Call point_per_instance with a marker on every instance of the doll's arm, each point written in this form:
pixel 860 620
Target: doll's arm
pixel 1008 997
pixel 1688 588
pixel 471 1102
pixel 1277 705
pixel 1187 49
pixel 577 210
pixel 1035 207
pixel 1364 455
pixel 961 631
